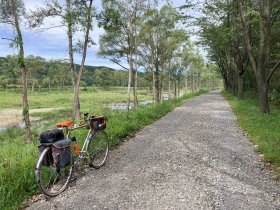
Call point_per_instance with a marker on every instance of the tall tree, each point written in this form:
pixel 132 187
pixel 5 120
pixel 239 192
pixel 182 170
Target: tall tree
pixel 220 32
pixel 261 59
pixel 85 15
pixel 11 12
pixel 159 26
pixel 76 16
pixel 119 44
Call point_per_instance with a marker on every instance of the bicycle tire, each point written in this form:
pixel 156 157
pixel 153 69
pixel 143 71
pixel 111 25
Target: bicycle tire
pixel 98 149
pixel 50 180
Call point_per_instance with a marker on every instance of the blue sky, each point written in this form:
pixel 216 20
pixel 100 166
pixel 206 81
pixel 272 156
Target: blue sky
pixel 52 44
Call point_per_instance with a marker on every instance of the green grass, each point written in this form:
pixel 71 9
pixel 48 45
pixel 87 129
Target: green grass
pixel 92 98
pixel 263 129
pixel 17 182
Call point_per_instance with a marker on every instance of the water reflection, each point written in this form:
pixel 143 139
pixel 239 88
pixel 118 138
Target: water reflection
pixel 22 125
pixel 123 106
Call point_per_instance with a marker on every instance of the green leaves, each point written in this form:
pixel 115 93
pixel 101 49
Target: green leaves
pixel 110 20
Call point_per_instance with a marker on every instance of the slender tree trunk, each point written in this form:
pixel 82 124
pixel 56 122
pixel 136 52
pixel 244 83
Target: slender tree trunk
pixel 157 85
pixel 160 88
pixel 161 92
pixel 135 84
pixel 23 70
pixel 263 97
pixel 130 69
pixel 76 106
pixel 192 81
pixel 240 94
pixel 135 73
pixel 71 56
pixel 154 87
pixel 235 84
pixel 169 86
pixel 186 86
pixel 261 67
pixel 175 89
pixel 70 43
pixel 179 88
pixel 135 89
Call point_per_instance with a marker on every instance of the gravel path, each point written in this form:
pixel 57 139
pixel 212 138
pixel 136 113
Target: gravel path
pixel 193 158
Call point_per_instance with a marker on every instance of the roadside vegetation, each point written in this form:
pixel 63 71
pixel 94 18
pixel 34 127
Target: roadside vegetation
pixel 263 129
pixel 17 183
pixel 240 37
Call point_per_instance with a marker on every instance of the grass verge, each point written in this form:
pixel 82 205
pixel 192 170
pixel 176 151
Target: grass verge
pixel 263 129
pixel 17 159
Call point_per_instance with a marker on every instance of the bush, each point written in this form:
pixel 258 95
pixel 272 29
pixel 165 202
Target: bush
pixel 274 97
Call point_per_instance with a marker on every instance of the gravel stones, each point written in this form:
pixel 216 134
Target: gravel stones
pixel 193 158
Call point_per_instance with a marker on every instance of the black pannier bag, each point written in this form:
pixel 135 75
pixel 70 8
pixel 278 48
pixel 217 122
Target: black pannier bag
pixel 48 159
pixel 51 136
pixel 61 153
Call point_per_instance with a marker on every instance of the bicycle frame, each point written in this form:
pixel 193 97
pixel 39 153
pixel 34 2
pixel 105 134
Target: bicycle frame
pixel 89 137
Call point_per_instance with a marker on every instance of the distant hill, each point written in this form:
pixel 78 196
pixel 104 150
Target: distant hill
pixel 49 75
pixel 88 67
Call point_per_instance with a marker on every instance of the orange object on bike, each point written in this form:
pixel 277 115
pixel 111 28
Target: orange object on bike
pixel 65 124
pixel 76 148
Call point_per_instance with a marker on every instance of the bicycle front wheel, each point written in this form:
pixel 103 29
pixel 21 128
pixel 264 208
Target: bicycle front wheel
pixel 98 149
pixel 50 179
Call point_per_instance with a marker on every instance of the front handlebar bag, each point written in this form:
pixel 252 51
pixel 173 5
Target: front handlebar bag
pixel 98 122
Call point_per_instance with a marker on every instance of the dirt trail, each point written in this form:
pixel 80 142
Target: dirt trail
pixel 10 117
pixel 193 158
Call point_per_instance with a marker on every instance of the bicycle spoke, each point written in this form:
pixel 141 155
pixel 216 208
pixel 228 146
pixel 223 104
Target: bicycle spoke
pixel 98 149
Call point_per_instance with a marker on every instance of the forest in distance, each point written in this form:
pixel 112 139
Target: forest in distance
pixel 52 75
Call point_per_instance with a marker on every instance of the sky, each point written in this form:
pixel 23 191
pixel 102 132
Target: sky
pixel 52 44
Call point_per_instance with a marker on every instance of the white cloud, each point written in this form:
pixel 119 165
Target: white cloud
pixel 53 43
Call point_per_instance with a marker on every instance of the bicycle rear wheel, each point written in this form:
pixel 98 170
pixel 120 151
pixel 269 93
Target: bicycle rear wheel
pixel 98 149
pixel 51 180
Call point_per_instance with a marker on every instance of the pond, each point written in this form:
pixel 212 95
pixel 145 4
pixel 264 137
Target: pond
pixel 21 125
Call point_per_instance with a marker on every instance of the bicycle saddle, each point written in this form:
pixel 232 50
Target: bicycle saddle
pixel 65 124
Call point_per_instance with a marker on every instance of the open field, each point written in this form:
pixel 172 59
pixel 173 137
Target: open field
pixel 53 105
pixel 89 98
